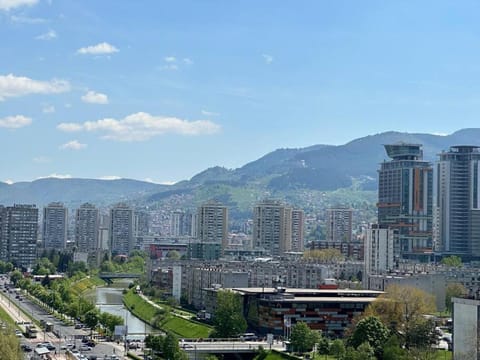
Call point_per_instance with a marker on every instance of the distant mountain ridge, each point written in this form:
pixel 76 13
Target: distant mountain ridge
pixel 313 168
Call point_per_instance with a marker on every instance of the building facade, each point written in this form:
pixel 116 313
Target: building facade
pixel 458 201
pixel 380 245
pixel 55 220
pixel 87 228
pixel 339 225
pixel 121 230
pixel 405 191
pixel 18 237
pixel 212 224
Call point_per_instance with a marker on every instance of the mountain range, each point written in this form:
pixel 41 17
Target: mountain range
pixel 318 168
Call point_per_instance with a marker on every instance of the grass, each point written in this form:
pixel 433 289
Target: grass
pixel 139 307
pixel 179 326
pixel 185 328
pixel 4 317
pixel 86 283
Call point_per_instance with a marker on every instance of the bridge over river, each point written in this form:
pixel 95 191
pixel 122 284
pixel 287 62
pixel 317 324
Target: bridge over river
pixel 229 348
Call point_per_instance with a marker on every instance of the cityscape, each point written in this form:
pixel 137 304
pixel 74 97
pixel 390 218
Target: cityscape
pixel 214 180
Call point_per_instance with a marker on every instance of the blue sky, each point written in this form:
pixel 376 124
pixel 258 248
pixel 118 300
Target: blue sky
pixel 161 90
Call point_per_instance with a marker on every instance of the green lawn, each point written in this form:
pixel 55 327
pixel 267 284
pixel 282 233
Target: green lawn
pixel 85 284
pixel 5 317
pixel 177 325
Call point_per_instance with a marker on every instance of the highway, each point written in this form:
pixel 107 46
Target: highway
pixel 67 334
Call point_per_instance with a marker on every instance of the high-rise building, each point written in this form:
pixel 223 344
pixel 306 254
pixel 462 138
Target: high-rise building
pixel 298 220
pixel 379 249
pixel 18 238
pixel 272 227
pixel 339 225
pixel 458 201
pixel 55 217
pixel 141 223
pixel 405 188
pixel 86 228
pixel 121 230
pixel 212 223
pixel 183 223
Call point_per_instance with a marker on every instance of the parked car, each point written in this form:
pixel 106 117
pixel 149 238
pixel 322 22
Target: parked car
pixel 26 348
pixel 85 348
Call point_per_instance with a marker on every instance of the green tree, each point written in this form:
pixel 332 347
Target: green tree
pixel 10 345
pixel 303 338
pixel 362 352
pixel 228 319
pixel 170 347
pixel 454 290
pixel 420 334
pixel 154 342
pixel 15 276
pixel 372 331
pixel 392 350
pixel 91 318
pixel 173 255
pixel 337 348
pixel 452 261
pixel 323 346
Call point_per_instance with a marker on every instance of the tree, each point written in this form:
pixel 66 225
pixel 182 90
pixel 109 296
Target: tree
pixel 452 261
pixel 337 348
pixel 303 338
pixel 420 334
pixel 401 306
pixel 173 255
pixel 323 346
pixel 170 347
pixel 363 352
pixel 372 331
pixel 154 342
pixel 15 276
pixel 228 319
pixel 392 350
pixel 10 345
pixel 91 318
pixel 454 290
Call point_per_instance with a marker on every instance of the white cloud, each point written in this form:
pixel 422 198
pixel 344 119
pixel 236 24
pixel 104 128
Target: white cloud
pixel 27 20
pixel 99 49
pixel 110 177
pixel 209 113
pixel 56 176
pixel 170 59
pixel 49 35
pixel 268 58
pixel 93 97
pixel 13 86
pixel 15 122
pixel 73 145
pixel 8 181
pixel 142 126
pixel 48 109
pixel 172 67
pixel 41 160
pixel 11 4
pixel 188 61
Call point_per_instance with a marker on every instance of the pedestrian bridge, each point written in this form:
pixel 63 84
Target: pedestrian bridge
pixel 110 276
pixel 198 349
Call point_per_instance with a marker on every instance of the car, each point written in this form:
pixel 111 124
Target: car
pixel 92 357
pixel 26 348
pixel 90 343
pixel 85 348
pixel 78 326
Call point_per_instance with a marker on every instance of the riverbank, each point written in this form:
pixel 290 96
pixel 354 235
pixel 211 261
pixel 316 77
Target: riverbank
pixel 162 317
pixel 87 283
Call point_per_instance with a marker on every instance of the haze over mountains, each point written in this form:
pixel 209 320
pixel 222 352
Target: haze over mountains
pixel 315 168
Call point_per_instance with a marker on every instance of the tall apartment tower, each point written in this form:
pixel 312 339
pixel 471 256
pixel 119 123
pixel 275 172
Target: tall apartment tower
pixel 272 227
pixel 86 228
pixel 212 223
pixel 181 223
pixel 55 220
pixel 298 220
pixel 18 238
pixel 380 256
pixel 339 225
pixel 458 201
pixel 121 230
pixel 405 186
pixel 141 223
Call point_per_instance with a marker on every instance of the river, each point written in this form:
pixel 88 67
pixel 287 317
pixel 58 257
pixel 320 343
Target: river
pixel 109 299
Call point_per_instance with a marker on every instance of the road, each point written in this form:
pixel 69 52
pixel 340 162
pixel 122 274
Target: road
pixel 67 334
